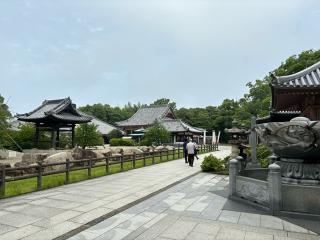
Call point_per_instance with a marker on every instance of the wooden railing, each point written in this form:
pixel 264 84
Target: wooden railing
pixel 18 173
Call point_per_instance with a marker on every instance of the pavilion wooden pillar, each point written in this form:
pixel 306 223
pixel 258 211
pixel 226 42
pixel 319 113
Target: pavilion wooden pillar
pixel 53 140
pixel 36 140
pixel 58 138
pixel 72 134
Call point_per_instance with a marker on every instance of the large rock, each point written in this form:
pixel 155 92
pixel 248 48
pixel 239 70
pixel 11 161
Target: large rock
pixel 146 149
pixel 170 148
pixel 57 158
pixel 30 159
pixel 116 150
pixel 131 151
pixel 79 153
pixel 103 152
pixel 160 148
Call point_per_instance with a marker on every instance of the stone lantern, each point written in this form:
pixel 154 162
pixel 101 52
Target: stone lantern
pixel 238 138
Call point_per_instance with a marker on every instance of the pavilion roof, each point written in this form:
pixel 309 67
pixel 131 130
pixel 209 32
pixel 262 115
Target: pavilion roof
pixel 177 125
pixel 55 110
pixel 307 78
pixel 147 116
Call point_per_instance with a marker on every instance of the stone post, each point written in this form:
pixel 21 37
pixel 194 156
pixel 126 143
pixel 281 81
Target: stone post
pixel 241 163
pixel 274 181
pixel 273 158
pixel 253 141
pixel 233 172
pixel 204 137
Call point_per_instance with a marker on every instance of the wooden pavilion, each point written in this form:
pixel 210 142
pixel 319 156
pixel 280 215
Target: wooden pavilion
pixel 55 116
pixel 295 95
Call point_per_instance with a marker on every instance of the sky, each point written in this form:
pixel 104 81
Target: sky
pixel 195 52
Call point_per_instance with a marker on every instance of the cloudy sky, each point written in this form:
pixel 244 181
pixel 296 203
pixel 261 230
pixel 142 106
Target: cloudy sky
pixel 195 52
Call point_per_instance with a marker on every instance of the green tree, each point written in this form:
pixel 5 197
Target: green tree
pixel 87 135
pixel 298 62
pixel 24 138
pixel 257 101
pixel 157 134
pixel 115 133
pixel 4 115
pixel 164 101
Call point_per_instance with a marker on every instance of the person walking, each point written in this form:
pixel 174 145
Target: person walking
pixel 195 150
pixel 185 152
pixel 191 151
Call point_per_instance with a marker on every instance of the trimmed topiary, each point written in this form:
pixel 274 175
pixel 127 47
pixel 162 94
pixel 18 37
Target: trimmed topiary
pixel 212 164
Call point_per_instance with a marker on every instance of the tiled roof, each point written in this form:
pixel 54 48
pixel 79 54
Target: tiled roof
pixel 280 116
pixel 309 77
pixel 103 127
pixel 60 110
pixel 146 116
pixel 176 125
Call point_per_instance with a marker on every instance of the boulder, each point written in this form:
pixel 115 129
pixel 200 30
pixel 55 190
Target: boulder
pixel 57 158
pixel 116 150
pixel 160 148
pixel 170 148
pixel 30 158
pixel 145 149
pixel 130 151
pixel 103 152
pixel 79 153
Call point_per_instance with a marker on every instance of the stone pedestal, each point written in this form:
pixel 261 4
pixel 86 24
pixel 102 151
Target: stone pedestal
pixel 274 182
pixel 233 172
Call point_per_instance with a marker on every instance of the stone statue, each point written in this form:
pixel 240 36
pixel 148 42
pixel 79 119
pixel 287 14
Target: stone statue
pixel 297 144
pixel 299 138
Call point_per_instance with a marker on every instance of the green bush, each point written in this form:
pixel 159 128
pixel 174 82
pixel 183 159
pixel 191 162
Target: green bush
pixel 145 142
pixel 212 164
pixel 262 155
pixel 87 135
pixel 157 134
pixel 115 133
pixel 25 137
pixel 121 142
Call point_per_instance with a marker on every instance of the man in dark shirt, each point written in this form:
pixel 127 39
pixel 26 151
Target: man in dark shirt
pixel 185 152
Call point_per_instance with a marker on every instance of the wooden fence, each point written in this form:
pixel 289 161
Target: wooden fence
pixel 38 170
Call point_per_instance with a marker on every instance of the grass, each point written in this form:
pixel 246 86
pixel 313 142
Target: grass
pixel 15 188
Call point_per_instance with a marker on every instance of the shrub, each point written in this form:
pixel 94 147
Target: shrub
pixel 24 138
pixel 121 142
pixel 87 135
pixel 145 142
pixel 157 134
pixel 212 164
pixel 115 133
pixel 262 155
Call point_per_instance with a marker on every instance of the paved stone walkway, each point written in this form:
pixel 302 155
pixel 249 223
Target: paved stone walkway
pixel 193 210
pixel 52 213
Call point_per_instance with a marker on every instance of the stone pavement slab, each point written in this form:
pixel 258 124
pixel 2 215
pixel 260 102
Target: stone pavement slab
pixel 50 213
pixel 191 210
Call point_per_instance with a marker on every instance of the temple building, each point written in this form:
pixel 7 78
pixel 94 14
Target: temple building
pixel 295 95
pixel 145 117
pixel 55 116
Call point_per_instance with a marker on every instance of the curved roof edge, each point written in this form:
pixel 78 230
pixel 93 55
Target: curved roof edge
pixel 287 78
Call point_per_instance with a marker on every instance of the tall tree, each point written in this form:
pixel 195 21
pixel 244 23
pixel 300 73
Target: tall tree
pixel 87 135
pixel 164 101
pixel 157 134
pixel 4 115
